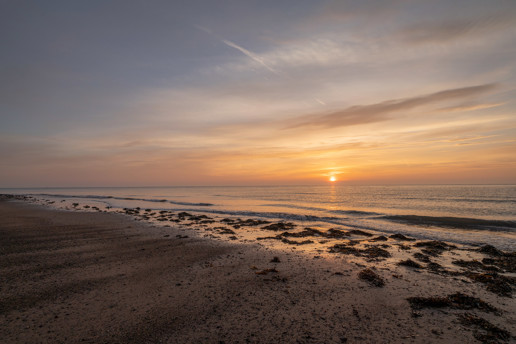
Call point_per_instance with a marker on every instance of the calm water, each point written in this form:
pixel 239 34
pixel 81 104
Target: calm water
pixel 469 214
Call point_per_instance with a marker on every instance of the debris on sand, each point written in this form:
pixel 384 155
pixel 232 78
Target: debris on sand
pixel 379 238
pixel 434 248
pixel 293 242
pixel 372 277
pixel 335 233
pixel 438 269
pixel 422 257
pixel 280 226
pixel 401 237
pixel 375 252
pixel 345 249
pixel 266 271
pixel 253 223
pixel 371 252
pixel 226 231
pixel 488 333
pixel 359 232
pixel 306 232
pixel 410 263
pixel 494 282
pixel 475 265
pixel 275 260
pixel 455 301
pixel 505 263
pixel 490 250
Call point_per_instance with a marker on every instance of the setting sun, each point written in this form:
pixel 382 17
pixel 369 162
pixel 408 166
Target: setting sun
pixel 333 179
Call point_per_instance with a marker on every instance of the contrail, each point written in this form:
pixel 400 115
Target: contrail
pixel 244 51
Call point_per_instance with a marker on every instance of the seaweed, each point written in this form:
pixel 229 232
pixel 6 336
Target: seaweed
pixel 372 277
pixel 293 242
pixel 266 271
pixel 488 333
pixel 490 250
pixel 226 231
pixel 280 226
pixel 359 232
pixel 455 301
pixel 422 257
pixel 410 263
pixel 475 265
pixel 306 232
pixel 434 248
pixel 494 282
pixel 379 238
pixel 401 237
pixel 335 233
pixel 506 262
pixel 371 252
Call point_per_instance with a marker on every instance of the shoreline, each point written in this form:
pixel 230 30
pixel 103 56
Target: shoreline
pixel 474 231
pixel 101 277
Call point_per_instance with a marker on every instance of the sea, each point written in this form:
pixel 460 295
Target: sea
pixel 465 214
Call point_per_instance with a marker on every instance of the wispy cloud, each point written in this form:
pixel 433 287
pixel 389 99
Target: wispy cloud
pixel 470 107
pixel 246 52
pixel 362 114
pixel 253 56
pixel 452 29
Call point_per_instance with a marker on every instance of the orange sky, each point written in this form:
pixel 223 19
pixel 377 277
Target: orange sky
pixel 259 94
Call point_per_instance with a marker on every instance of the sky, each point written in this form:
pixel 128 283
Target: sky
pixel 148 93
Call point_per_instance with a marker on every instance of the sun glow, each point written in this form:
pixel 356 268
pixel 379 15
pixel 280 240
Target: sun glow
pixel 333 179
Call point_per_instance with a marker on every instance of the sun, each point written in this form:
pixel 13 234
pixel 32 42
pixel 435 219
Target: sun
pixel 333 179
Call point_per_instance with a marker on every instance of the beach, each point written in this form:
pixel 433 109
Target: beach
pixel 97 277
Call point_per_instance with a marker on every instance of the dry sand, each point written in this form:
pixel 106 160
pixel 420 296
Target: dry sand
pixel 68 277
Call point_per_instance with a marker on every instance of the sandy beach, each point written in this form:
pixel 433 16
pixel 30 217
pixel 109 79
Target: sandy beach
pixel 96 277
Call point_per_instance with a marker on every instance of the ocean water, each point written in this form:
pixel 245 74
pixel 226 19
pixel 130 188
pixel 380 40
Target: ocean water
pixel 470 214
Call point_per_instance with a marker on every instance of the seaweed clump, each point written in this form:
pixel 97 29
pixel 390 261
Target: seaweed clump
pixel 421 257
pixel 434 248
pixel 280 226
pixel 494 282
pixel 372 277
pixel 371 252
pixel 488 333
pixel 379 238
pixel 401 237
pixel 410 263
pixel 359 232
pixel 455 301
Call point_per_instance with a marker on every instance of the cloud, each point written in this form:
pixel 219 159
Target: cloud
pixel 470 107
pixel 362 114
pixel 253 56
pixel 244 51
pixel 449 30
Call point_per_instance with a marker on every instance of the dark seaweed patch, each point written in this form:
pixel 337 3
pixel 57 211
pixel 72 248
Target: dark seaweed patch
pixel 410 263
pixel 455 301
pixel 488 333
pixel 372 277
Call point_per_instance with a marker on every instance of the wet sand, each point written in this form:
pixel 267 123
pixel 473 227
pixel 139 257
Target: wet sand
pixel 103 278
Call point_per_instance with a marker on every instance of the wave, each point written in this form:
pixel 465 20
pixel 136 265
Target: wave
pixel 353 212
pixel 454 222
pixel 340 212
pixel 101 197
pixel 470 200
